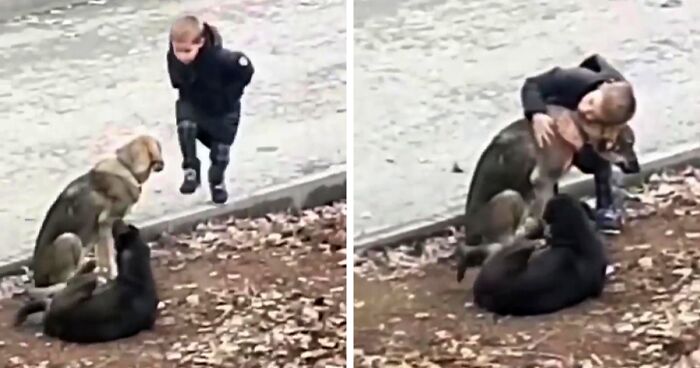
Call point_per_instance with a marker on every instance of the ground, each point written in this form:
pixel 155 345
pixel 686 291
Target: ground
pixel 234 293
pixel 410 310
pixel 448 75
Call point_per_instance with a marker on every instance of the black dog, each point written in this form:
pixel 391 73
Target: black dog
pixel 84 312
pixel 566 273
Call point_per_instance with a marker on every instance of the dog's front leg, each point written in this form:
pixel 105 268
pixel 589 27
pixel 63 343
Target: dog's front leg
pixel 543 188
pixel 105 254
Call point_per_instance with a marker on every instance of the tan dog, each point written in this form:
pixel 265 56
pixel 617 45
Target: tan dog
pixel 514 179
pixel 82 216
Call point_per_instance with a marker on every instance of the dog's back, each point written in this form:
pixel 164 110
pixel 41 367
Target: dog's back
pixel 68 213
pixel 121 308
pixel 569 272
pixel 72 212
pixel 113 314
pixel 506 163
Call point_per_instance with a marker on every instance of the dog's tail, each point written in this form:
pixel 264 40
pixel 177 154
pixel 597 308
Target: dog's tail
pixel 32 307
pixel 45 292
pixel 474 256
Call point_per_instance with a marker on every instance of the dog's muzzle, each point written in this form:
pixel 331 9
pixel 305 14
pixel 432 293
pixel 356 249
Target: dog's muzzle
pixel 157 166
pixel 629 167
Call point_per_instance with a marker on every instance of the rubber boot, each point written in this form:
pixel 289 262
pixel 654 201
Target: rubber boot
pixel 219 155
pixel 608 217
pixel 187 137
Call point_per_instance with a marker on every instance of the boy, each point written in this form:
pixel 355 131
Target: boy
pixel 210 80
pixel 601 95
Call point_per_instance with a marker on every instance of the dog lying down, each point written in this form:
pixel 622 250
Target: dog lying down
pixel 84 312
pixel 570 270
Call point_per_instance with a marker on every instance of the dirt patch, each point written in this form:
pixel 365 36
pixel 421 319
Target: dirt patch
pixel 410 310
pixel 234 293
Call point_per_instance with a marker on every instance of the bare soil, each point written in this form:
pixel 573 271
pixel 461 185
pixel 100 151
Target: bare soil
pixel 234 293
pixel 415 314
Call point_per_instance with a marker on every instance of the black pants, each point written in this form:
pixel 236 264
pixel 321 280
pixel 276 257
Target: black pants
pixel 217 133
pixel 590 162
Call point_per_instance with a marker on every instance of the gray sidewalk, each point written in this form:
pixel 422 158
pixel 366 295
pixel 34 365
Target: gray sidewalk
pixel 75 85
pixel 434 81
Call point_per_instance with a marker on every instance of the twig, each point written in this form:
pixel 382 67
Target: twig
pixel 106 361
pixel 532 345
pixel 542 354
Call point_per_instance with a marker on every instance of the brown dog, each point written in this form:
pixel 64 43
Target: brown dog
pixel 515 178
pixel 82 216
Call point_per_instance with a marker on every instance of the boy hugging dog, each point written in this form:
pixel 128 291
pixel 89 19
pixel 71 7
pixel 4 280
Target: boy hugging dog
pixel 604 98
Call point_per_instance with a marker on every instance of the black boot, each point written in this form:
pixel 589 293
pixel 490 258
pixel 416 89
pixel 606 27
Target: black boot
pixel 217 185
pixel 219 155
pixel 191 181
pixel 187 137
pixel 608 218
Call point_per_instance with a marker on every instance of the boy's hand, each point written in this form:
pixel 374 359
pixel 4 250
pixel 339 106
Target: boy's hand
pixel 542 125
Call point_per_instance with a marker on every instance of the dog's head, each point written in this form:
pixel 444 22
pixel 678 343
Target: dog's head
pixel 142 156
pixel 614 143
pixel 563 214
pixel 132 252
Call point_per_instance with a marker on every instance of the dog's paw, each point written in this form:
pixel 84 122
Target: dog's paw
pixel 101 280
pixel 470 259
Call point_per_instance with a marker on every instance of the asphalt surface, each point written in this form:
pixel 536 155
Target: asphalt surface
pixel 77 83
pixel 435 80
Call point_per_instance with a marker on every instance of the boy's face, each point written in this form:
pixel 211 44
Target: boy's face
pixel 591 105
pixel 186 51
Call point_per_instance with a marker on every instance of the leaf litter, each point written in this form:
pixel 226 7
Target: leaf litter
pixel 263 292
pixel 648 315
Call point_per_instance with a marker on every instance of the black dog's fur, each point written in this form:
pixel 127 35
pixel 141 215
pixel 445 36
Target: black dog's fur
pixel 84 312
pixel 566 273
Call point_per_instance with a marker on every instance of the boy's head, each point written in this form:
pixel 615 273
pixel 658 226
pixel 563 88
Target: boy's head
pixel 612 103
pixel 186 37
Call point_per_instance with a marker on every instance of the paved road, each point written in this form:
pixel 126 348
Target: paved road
pixel 447 74
pixel 76 84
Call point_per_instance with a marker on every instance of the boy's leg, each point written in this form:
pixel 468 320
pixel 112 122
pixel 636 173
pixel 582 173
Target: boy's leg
pixel 219 154
pixel 187 138
pixel 607 216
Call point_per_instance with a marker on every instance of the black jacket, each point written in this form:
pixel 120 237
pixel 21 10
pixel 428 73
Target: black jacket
pixel 565 87
pixel 214 82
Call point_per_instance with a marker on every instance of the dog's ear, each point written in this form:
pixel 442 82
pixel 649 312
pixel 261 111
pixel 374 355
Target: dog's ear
pixel 124 155
pixel 137 157
pixel 119 228
pixel 588 210
pixel 156 154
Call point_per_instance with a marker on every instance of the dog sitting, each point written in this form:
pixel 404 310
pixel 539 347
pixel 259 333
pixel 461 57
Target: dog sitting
pixel 84 312
pixel 514 178
pixel 81 217
pixel 570 270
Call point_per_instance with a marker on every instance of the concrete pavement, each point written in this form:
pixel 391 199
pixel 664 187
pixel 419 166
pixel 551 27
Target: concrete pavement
pixel 447 74
pixel 76 84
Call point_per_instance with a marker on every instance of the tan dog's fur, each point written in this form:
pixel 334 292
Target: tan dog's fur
pixel 514 178
pixel 83 214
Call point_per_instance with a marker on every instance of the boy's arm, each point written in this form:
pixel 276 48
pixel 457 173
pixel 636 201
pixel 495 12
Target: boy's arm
pixel 239 69
pixel 557 81
pixel 536 88
pixel 172 72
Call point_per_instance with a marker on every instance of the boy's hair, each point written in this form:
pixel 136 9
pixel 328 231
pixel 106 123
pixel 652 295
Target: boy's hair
pixel 619 103
pixel 187 28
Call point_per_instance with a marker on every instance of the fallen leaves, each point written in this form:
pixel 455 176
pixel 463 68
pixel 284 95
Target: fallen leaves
pixel 648 317
pixel 270 324
pixel 245 292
